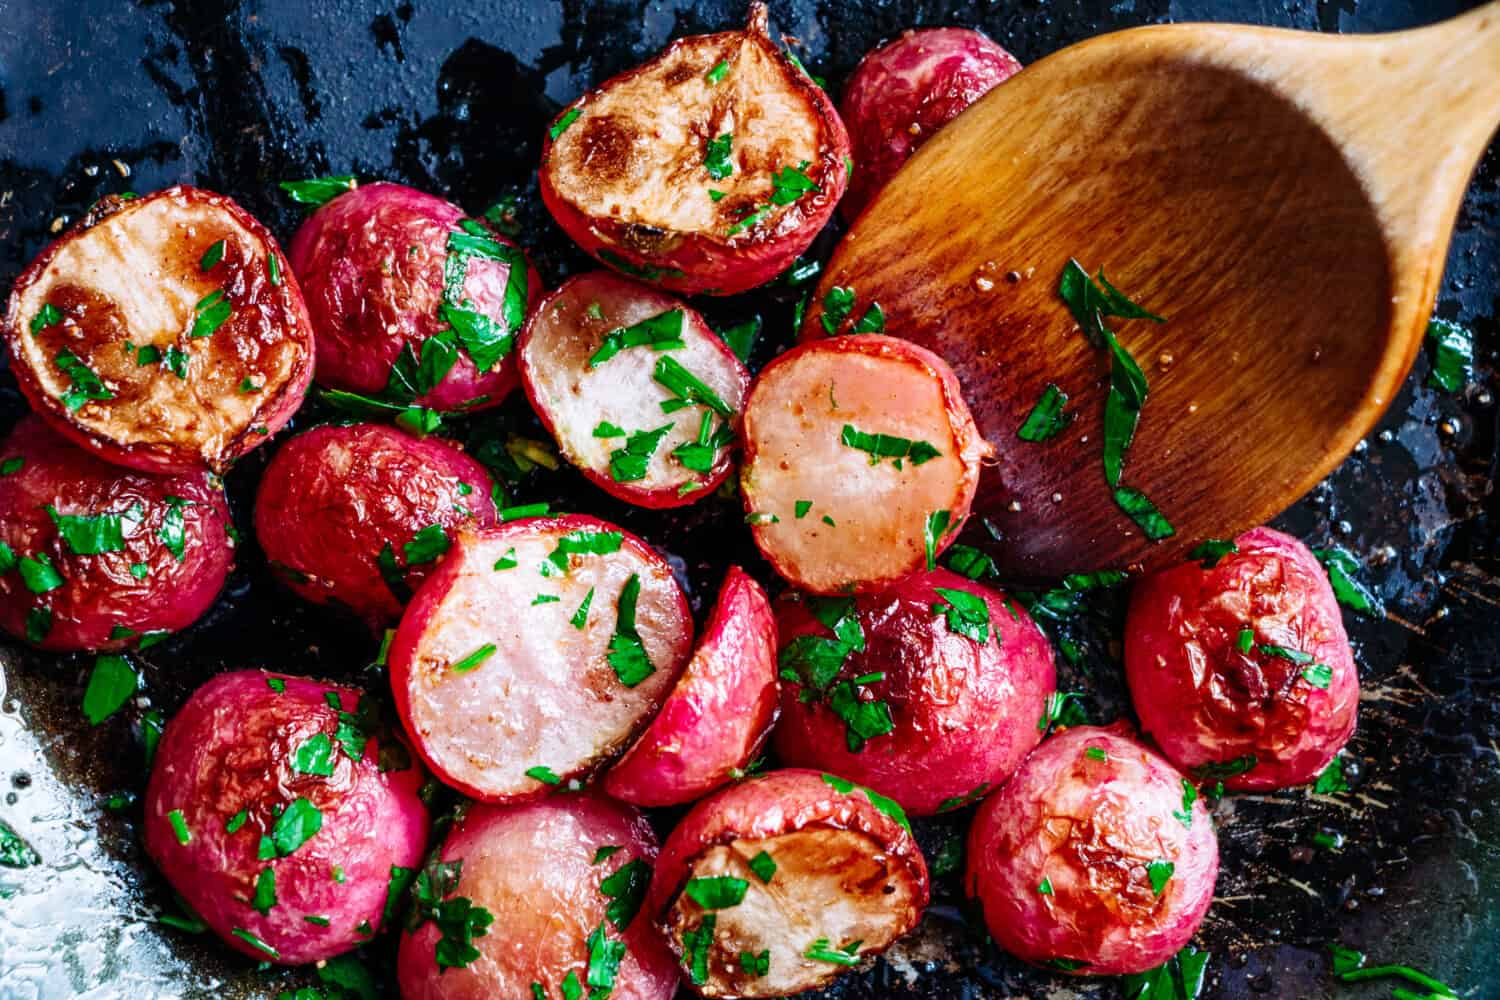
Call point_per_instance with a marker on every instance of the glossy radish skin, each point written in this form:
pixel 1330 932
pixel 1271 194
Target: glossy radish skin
pixel 1205 701
pixel 585 405
pixel 963 713
pixel 717 717
pixel 125 342
pixel 533 868
pixel 102 603
pixel 230 757
pixel 846 869
pixel 547 695
pixel 372 265
pixel 333 498
pixel 1089 829
pixel 795 454
pixel 625 168
pixel 902 93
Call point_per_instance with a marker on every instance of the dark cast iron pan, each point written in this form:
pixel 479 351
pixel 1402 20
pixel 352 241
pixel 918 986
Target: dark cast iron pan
pixel 451 96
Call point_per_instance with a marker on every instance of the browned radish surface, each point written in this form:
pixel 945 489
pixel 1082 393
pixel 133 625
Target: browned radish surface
pixel 861 461
pixel 616 370
pixel 707 168
pixel 165 333
pixel 521 662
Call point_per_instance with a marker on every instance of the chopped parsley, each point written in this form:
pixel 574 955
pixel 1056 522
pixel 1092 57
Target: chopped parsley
pixel 457 919
pixel 1144 513
pixel 236 821
pixel 1179 978
pixel 210 313
pixel 801 508
pixel 606 852
pixel 179 827
pixel 882 446
pixel 48 315
pixel 719 71
pixel 1159 872
pixel 967 614
pixel 86 383
pixel 700 455
pixel 687 388
pixel 254 942
pixel 1319 675
pixel 608 430
pixel 1452 356
pixel 561 125
pixel 1331 780
pixel 316 191
pixel 522 511
pixel 543 774
pixel 627 654
pixel 112 682
pixel 820 951
pixel 718 892
pixel 752 964
pixel 581 616
pixel 625 889
pixel 474 659
pixel 1189 796
pixel 933 532
pixel 629 463
pixel 790 183
pixel 1096 753
pixel 507 561
pixel 1350 592
pixel 965 560
pixel 173 529
pixel 212 256
pixel 1226 769
pixel 38 573
pixel 695 945
pixel 148 354
pixel 295 826
pixel 741 337
pixel 882 804
pixel 11 466
pixel 764 866
pixel 662 332
pixel 1047 418
pixel 265 890
pixel 314 756
pixel 176 362
pixel 968 798
pixel 604 962
pixel 873 321
pixel 838 303
pixel 584 541
pixel 716 157
pixel 1211 550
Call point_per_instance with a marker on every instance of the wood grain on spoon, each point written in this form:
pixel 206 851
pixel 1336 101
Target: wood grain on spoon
pixel 1285 199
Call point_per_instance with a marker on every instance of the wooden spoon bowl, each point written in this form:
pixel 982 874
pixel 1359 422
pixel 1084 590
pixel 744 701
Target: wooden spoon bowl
pixel 1284 199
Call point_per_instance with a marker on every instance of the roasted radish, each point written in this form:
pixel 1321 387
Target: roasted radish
pixel 165 332
pixel 535 651
pixel 716 718
pixel 708 169
pixel 1097 858
pixel 1239 666
pixel 95 556
pixel 861 461
pixel 537 900
pixel 781 883
pixel 357 515
pixel 640 394
pixel 928 691
pixel 903 92
pixel 286 814
pixel 414 302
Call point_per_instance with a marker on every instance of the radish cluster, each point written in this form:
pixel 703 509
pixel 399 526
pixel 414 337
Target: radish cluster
pixel 530 655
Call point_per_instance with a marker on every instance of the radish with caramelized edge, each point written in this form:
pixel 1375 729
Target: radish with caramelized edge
pixel 1096 858
pixel 95 556
pixel 707 169
pixel 414 302
pixel 1239 666
pixel 534 651
pixel 548 895
pixel 357 515
pixel 861 461
pixel 286 813
pixel 717 717
pixel 165 332
pixel 782 882
pixel 640 394
pixel 928 691
pixel 902 93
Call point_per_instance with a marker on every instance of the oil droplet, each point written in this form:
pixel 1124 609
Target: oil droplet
pixel 1483 397
pixel 1164 360
pixel 1451 426
pixel 1192 408
pixel 1014 507
pixel 983 284
pixel 1386 436
pixel 1014 277
pixel 1344 528
pixel 1057 498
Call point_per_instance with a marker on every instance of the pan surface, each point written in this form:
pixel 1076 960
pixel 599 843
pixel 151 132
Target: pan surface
pixel 101 96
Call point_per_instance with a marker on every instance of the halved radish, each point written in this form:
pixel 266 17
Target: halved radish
pixel 165 332
pixel 707 169
pixel 780 883
pixel 861 461
pixel 717 717
pixel 536 650
pixel 640 394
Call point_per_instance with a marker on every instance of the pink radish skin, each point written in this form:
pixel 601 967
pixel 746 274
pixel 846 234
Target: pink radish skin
pixel 545 696
pixel 334 497
pixel 371 263
pixel 964 713
pixel 1086 816
pixel 1207 702
pixel 233 749
pixel 573 399
pixel 717 717
pixel 536 870
pixel 104 603
pixel 901 94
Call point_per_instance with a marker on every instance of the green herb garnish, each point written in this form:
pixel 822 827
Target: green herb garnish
pixel 295 826
pixel 719 71
pixel 845 956
pixel 1047 418
pixel 967 614
pixel 561 125
pixel 211 256
pixel 718 892
pixel 543 774
pixel 628 464
pixel 933 532
pixel 1144 513
pixel 662 332
pixel 86 383
pixel 265 890
pixel 626 891
pixel 687 388
pixel 764 866
pixel 1452 356
pixel 1350 592
pixel 627 654
pixel 882 446
pixel 716 157
pixel 318 190
pixel 179 827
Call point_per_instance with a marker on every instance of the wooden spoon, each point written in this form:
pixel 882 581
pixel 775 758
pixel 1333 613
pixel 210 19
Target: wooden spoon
pixel 1285 199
